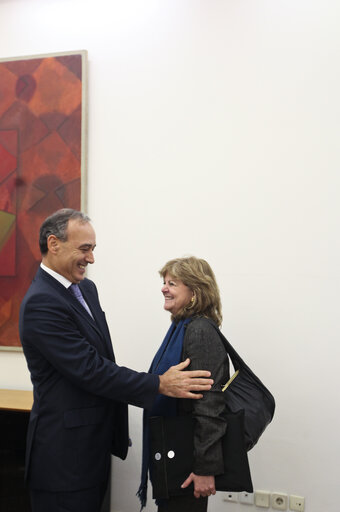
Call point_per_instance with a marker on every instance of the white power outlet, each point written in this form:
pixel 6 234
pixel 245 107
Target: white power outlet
pixel 297 503
pixel 262 499
pixel 279 501
pixel 246 498
pixel 231 496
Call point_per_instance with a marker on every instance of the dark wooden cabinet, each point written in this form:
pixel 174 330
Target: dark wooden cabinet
pixel 15 408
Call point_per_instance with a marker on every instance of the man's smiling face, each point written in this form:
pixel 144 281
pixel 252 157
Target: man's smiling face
pixel 71 257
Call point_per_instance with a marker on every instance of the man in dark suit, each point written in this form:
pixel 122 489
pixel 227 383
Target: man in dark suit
pixel 79 415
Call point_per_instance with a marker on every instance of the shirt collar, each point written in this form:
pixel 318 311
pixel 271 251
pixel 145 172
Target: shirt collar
pixel 62 280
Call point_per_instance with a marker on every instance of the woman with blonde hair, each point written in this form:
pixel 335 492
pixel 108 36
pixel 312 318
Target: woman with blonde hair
pixel 192 297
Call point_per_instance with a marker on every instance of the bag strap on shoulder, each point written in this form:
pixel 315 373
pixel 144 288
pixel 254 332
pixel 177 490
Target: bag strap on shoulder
pixel 239 363
pixel 237 360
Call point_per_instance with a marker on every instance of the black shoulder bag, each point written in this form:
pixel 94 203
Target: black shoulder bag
pixel 244 391
pixel 249 409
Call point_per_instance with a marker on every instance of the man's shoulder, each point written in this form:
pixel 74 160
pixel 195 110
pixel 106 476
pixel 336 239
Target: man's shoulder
pixel 44 287
pixel 43 280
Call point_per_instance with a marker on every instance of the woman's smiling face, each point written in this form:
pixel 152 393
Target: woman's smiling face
pixel 176 294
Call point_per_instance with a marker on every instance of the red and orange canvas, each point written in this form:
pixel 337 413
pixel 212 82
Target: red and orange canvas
pixel 42 119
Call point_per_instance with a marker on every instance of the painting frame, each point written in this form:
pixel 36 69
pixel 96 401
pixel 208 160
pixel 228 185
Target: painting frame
pixel 43 138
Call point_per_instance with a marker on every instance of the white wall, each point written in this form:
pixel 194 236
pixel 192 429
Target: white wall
pixel 214 131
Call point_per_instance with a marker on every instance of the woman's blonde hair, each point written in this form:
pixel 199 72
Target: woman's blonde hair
pixel 199 277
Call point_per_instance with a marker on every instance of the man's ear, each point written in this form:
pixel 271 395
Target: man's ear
pixel 53 244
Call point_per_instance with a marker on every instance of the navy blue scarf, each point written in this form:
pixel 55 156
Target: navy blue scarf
pixel 168 354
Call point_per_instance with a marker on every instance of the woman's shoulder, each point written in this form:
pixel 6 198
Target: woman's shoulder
pixel 203 324
pixel 201 335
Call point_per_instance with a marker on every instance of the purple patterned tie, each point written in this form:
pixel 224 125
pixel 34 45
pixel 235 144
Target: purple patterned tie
pixel 75 290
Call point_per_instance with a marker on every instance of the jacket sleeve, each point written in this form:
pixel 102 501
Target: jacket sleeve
pixel 205 350
pixel 54 343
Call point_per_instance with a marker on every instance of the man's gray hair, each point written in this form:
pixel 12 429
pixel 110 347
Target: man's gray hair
pixel 56 224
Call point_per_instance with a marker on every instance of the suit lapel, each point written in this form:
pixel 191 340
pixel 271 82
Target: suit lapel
pixel 92 300
pixel 98 322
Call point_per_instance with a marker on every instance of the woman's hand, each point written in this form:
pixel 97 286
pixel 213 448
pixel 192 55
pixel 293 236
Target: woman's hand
pixel 203 485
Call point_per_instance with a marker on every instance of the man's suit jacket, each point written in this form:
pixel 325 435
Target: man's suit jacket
pixel 79 414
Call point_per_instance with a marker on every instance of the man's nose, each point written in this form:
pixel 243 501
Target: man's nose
pixel 90 257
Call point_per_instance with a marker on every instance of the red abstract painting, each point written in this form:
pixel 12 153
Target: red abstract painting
pixel 42 119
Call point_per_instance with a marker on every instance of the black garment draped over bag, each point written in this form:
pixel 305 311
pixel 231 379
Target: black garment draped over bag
pixel 249 409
